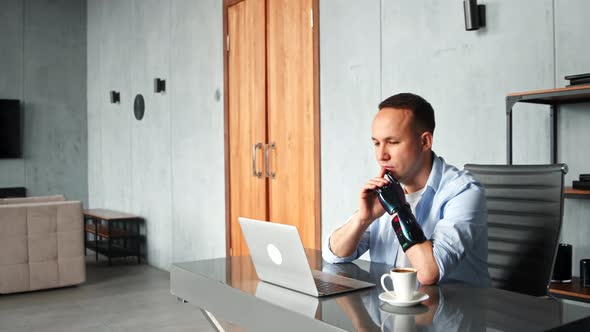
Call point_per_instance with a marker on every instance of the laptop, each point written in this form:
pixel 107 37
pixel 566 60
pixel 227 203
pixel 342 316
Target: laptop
pixel 279 258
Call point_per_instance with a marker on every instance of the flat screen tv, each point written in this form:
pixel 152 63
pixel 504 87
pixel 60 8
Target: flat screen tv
pixel 10 129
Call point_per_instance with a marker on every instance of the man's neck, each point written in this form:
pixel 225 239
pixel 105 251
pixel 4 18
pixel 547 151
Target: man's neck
pixel 421 178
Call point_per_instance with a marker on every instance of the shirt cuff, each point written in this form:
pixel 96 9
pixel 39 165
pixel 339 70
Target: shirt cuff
pixel 329 256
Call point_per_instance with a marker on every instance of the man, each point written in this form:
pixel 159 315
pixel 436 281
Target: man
pixel 448 204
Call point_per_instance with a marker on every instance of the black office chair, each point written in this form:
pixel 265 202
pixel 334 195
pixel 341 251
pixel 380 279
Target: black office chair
pixel 525 212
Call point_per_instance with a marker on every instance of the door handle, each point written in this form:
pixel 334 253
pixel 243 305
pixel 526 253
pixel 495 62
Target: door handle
pixel 254 172
pixel 269 173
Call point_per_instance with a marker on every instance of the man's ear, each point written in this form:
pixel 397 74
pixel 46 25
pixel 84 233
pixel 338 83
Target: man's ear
pixel 426 140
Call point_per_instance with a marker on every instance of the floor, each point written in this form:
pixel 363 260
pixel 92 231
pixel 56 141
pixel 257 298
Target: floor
pixel 122 297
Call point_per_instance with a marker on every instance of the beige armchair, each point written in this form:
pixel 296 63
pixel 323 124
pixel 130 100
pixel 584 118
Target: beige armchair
pixel 34 199
pixel 41 244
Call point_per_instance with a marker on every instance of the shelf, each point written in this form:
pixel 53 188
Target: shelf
pixel 104 214
pixel 552 97
pixel 115 251
pixel 569 192
pixel 573 290
pixel 103 231
pixel 116 234
pixel 571 95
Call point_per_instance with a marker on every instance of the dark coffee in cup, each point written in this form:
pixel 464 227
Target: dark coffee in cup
pixel 403 270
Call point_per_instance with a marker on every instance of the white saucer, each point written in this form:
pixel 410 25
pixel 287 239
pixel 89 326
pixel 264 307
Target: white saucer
pixel 388 298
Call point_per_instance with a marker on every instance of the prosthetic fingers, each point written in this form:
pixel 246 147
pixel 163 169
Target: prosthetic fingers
pixel 393 200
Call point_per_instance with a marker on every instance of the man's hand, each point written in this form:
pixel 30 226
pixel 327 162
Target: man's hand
pixel 393 200
pixel 392 196
pixel 369 206
pixel 345 240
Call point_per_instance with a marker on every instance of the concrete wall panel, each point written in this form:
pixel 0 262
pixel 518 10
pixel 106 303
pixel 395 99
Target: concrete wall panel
pixel 12 171
pixel 55 142
pixel 96 97
pixel 466 75
pixel 116 56
pixel 150 137
pixel 168 167
pixel 350 76
pixel 196 109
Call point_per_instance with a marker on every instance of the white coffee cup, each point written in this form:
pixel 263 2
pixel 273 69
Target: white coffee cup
pixel 404 283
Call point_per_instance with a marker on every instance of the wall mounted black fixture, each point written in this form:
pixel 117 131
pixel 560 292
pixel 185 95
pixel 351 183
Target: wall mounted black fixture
pixel 138 107
pixel 475 15
pixel 115 97
pixel 159 85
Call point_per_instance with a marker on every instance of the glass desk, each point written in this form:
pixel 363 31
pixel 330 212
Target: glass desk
pixel 227 288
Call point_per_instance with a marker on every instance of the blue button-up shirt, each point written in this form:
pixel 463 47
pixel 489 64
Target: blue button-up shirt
pixel 453 215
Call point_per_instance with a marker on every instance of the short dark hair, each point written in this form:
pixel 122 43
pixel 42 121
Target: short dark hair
pixel 420 108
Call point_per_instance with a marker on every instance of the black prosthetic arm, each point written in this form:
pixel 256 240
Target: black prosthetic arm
pixel 404 224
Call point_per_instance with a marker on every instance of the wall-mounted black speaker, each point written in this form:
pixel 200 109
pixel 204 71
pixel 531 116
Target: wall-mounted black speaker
pixel 475 15
pixel 562 270
pixel 115 97
pixel 159 85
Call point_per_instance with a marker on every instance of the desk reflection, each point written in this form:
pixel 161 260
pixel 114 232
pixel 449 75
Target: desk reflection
pixel 444 310
pixel 368 313
pixel 229 287
pixel 288 299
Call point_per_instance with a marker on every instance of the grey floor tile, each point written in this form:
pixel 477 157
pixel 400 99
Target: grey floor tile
pixel 122 297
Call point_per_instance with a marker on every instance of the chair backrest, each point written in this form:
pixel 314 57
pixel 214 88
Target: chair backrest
pixel 525 211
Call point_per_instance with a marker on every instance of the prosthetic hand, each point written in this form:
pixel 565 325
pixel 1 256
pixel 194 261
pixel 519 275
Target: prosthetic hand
pixel 404 224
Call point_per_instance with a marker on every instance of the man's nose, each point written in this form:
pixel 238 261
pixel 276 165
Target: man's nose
pixel 382 153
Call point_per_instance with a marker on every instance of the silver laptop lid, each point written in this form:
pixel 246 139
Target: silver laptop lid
pixel 278 255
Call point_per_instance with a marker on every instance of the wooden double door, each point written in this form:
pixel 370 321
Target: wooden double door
pixel 272 117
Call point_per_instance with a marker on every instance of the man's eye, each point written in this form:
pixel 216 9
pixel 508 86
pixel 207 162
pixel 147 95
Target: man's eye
pixel 393 142
pixel 376 143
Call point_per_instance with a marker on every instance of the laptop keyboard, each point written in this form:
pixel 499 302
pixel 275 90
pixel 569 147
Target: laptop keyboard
pixel 329 287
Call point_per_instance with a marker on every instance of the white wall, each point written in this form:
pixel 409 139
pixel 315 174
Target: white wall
pixel 350 91
pixel 168 167
pixel 198 184
pixel 422 47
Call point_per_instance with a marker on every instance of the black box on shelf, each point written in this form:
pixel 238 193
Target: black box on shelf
pixel 583 185
pixel 578 79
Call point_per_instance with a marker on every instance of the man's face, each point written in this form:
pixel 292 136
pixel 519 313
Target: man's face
pixel 398 145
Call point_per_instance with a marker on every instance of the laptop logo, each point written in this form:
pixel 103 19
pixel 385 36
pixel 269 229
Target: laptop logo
pixel 274 254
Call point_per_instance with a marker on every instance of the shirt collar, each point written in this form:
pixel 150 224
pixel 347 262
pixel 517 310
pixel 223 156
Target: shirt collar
pixel 435 173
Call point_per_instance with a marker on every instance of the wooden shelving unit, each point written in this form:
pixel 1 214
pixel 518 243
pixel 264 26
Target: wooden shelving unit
pixel 554 98
pixel 112 233
pixel 573 290
pixel 103 231
pixel 551 97
pixel 570 192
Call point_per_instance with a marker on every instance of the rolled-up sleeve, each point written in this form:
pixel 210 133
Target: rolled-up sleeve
pixel 363 246
pixel 462 229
